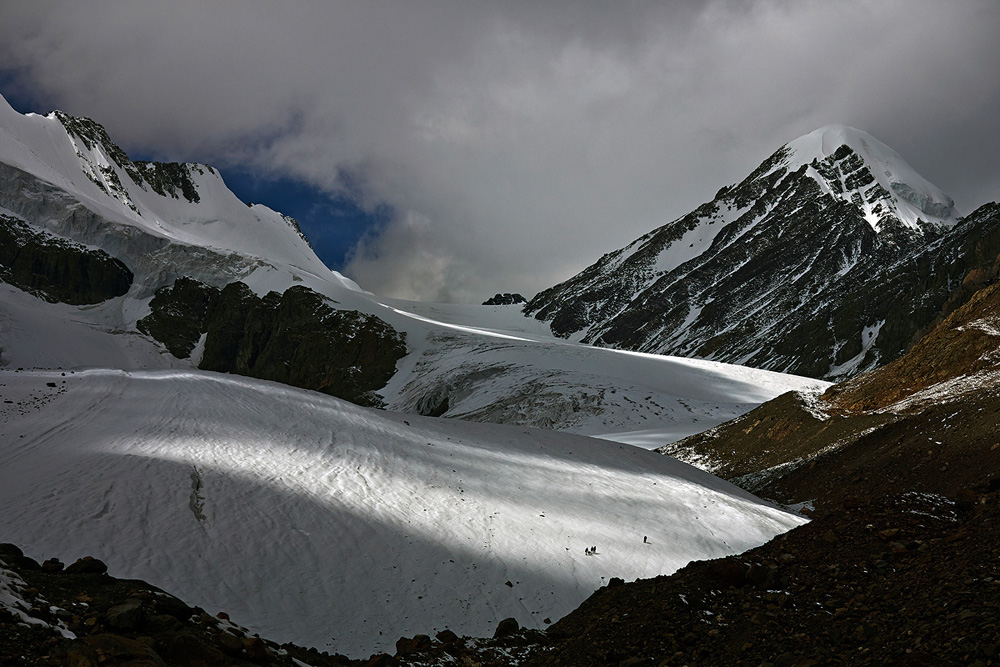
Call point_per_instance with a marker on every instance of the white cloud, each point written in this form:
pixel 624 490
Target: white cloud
pixel 520 141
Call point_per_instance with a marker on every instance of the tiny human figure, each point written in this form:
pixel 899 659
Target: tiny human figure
pixel 645 540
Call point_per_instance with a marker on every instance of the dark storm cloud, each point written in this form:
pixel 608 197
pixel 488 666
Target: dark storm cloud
pixel 517 142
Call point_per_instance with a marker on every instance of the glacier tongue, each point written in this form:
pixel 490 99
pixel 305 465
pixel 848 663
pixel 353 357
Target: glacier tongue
pixel 312 520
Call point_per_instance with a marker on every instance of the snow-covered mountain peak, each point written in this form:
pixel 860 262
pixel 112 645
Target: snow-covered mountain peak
pixel 854 166
pixel 769 273
pixel 824 142
pixel 181 204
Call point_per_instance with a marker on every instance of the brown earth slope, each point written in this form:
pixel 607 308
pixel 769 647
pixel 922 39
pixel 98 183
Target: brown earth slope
pixel 926 422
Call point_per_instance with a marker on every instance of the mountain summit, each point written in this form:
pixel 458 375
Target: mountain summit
pixel 876 179
pixel 818 263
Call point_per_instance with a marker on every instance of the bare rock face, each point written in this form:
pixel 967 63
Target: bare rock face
pixel 504 299
pixel 807 266
pixel 297 338
pixel 56 269
pixel 178 315
pixel 507 626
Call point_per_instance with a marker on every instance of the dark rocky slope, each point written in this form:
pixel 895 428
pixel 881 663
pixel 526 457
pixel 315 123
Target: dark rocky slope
pixel 927 421
pixel 297 337
pixel 794 276
pixel 909 579
pixel 57 269
pixel 124 622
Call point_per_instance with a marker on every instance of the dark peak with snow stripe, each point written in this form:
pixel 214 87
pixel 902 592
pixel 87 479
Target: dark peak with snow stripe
pixel 796 268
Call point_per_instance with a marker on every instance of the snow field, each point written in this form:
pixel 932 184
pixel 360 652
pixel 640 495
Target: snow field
pixel 316 521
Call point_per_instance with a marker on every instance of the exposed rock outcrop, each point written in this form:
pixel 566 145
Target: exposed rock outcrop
pixel 297 338
pixel 56 269
pixel 505 299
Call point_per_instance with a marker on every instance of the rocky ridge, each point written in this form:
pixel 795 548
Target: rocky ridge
pixel 504 299
pixel 818 263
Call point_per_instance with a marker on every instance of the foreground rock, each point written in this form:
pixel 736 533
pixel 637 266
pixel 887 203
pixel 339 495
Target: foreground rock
pixel 83 617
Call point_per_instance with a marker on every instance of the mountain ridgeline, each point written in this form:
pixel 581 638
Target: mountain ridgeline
pixel 831 258
pixel 167 251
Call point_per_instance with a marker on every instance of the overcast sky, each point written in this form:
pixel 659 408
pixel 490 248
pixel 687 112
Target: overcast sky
pixel 514 142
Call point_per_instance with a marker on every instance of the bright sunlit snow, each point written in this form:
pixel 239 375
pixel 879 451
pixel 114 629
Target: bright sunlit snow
pixel 313 520
pixel 911 197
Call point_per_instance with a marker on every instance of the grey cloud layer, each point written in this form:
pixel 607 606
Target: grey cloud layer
pixel 520 141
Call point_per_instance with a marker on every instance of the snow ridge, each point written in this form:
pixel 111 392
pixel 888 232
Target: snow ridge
pixel 901 191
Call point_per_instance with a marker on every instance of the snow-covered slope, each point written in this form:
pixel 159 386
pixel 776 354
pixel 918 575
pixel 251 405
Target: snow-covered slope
pixel 65 176
pixel 902 195
pixel 313 520
pixel 488 370
pixel 184 203
pixel 787 270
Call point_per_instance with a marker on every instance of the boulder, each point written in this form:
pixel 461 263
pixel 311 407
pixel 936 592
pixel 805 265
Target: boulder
pixel 406 646
pixel 446 637
pixel 8 549
pixel 507 627
pixel 171 606
pixel 127 615
pixel 52 565
pixel 87 565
